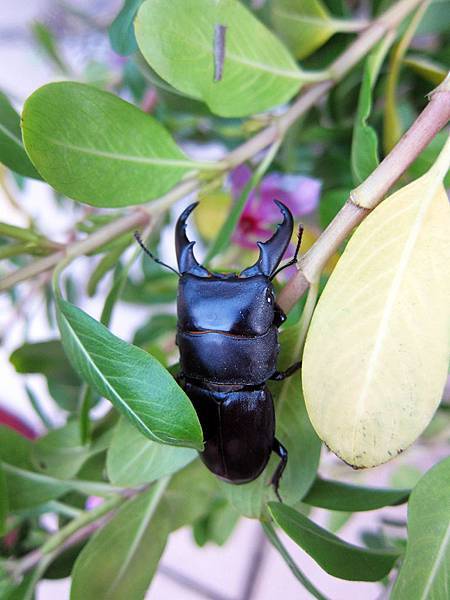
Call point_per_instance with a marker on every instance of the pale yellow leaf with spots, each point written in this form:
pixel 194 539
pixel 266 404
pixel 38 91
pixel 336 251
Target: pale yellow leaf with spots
pixel 378 349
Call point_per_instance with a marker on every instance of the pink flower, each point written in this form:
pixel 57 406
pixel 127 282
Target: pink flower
pixel 299 193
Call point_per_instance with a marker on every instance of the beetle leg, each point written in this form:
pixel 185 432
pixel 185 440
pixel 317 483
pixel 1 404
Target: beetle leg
pixel 280 375
pixel 281 451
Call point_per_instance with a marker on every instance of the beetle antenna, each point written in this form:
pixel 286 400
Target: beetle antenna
pixel 138 238
pixel 294 258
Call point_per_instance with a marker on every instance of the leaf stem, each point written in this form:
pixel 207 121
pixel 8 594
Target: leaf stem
pixel 349 25
pixel 298 574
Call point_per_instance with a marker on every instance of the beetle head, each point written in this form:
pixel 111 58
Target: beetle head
pixel 270 252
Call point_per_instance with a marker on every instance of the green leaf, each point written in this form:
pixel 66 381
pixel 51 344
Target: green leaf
pixel 393 126
pixel 121 32
pixel 12 152
pixel 133 459
pixel 158 326
pixel 94 147
pixel 190 494
pixel 364 154
pixel 336 557
pixel 335 495
pixel 426 68
pixel 298 574
pixel 128 547
pixel 331 203
pixel 293 427
pixel 218 525
pixel 61 454
pixel 425 571
pixel 4 505
pixel 107 263
pixel 46 41
pixel 305 26
pixel 176 39
pixel 47 358
pixel 25 488
pixel 136 383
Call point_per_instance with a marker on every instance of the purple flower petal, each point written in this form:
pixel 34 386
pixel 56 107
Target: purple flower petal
pixel 300 194
pixel 239 177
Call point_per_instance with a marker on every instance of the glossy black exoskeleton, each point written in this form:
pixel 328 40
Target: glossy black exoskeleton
pixel 227 334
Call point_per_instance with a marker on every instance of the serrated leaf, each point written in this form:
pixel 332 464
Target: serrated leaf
pixel 136 383
pixel 425 572
pixel 336 557
pixel 335 495
pixel 121 32
pixel 94 147
pixel 176 39
pixel 133 459
pixel 377 351
pixel 365 141
pixel 129 547
pixel 12 152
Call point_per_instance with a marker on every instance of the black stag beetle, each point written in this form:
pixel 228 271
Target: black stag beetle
pixel 227 334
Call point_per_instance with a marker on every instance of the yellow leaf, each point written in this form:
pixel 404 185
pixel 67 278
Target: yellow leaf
pixel 377 352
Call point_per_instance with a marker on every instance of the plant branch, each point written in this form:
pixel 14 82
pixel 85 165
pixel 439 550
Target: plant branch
pixel 309 97
pixel 79 529
pixel 369 194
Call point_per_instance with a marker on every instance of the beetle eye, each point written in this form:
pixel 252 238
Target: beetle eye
pixel 269 296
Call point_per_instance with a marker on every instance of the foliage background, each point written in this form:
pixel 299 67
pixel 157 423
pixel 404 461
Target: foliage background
pixel 274 577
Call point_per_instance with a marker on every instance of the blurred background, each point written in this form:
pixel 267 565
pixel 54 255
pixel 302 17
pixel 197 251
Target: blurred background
pixel 48 40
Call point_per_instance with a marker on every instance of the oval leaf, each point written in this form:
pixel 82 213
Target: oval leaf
pixel 377 352
pixel 12 152
pixel 335 556
pixel 305 25
pixel 129 548
pixel 176 38
pixel 99 149
pixel 136 383
pixel 425 571
pixel 334 495
pixel 133 459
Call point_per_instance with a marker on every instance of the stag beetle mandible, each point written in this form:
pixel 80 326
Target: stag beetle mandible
pixel 227 334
